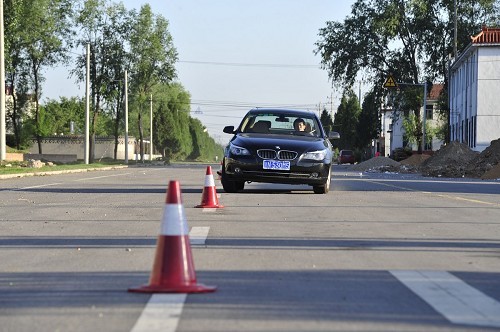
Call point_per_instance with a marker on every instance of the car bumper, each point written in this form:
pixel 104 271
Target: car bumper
pixel 304 172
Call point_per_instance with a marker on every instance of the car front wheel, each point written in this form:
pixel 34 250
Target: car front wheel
pixel 231 186
pixel 324 188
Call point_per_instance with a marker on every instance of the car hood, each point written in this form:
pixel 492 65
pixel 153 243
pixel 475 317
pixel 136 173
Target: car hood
pixel 294 143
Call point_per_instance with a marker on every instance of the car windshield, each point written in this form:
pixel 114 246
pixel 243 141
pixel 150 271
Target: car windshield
pixel 281 124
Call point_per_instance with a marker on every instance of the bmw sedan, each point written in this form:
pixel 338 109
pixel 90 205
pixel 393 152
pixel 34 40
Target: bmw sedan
pixel 278 146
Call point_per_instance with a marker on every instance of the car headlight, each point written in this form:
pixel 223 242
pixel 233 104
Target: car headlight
pixel 315 155
pixel 238 150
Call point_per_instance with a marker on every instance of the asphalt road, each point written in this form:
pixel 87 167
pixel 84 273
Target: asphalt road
pixel 380 252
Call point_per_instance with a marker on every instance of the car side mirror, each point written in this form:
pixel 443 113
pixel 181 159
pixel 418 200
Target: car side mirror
pixel 333 135
pixel 228 129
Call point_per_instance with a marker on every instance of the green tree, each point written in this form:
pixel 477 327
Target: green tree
pixel 410 39
pixel 14 63
pixel 67 116
pixel 412 130
pixel 60 114
pixel 105 27
pixel 368 126
pixel 153 59
pixel 326 120
pixel 346 120
pixel 45 38
pixel 171 133
pixel 30 49
pixel 204 146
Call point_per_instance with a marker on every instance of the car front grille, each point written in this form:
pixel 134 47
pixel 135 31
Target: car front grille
pixel 287 155
pixel 266 154
pixel 280 155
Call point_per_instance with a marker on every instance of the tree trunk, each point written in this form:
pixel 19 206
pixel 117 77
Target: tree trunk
pixel 94 125
pixel 117 125
pixel 17 130
pixel 37 109
pixel 141 136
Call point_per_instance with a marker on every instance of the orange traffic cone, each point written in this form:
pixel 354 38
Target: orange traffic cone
pixel 209 196
pixel 173 268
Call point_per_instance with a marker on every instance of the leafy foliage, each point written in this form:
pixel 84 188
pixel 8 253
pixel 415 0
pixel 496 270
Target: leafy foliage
pixel 153 59
pixel 30 48
pixel 368 126
pixel 326 120
pixel 120 40
pixel 411 40
pixel 346 120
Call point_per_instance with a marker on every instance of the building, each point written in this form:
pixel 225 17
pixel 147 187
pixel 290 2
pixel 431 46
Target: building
pixel 392 135
pixel 474 79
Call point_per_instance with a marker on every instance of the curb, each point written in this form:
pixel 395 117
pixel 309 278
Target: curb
pixel 23 175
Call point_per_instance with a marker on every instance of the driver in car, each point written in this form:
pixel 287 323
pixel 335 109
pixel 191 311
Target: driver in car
pixel 299 124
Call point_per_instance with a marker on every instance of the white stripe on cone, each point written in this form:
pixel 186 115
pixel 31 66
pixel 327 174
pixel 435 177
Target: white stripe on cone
pixel 209 181
pixel 174 220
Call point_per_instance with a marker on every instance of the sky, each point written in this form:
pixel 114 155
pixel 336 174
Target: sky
pixel 238 54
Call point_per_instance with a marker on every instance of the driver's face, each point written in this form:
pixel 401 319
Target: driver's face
pixel 301 126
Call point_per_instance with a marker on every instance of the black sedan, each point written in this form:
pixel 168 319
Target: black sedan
pixel 278 146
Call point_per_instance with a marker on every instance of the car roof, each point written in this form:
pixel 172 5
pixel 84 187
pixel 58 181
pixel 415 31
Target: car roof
pixel 294 112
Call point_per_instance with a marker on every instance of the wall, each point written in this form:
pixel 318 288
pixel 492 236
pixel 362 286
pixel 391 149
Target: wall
pixel 104 147
pixel 475 114
pixel 488 109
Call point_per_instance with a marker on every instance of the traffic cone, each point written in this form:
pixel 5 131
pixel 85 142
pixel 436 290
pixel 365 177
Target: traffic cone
pixel 209 196
pixel 173 268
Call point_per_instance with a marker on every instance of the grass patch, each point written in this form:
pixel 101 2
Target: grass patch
pixel 20 167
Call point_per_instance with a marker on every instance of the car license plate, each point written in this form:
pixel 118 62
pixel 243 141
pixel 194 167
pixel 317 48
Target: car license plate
pixel 276 164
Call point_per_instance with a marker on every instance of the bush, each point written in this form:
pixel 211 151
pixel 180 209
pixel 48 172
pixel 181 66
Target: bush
pixel 401 153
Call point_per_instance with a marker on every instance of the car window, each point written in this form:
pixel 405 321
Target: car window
pixel 269 123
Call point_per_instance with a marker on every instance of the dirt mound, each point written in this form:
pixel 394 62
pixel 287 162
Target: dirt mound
pixel 454 160
pixel 485 162
pixel 375 164
pixel 415 160
pixel 493 173
pixel 449 161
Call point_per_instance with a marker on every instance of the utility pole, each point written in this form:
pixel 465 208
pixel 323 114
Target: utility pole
pixel 359 94
pixel 331 104
pixel 87 107
pixel 151 128
pixel 3 129
pixel 126 118
pixel 455 33
pixel 425 115
pixel 391 83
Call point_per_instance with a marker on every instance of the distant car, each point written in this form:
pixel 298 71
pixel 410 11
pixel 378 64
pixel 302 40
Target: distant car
pixel 269 146
pixel 346 157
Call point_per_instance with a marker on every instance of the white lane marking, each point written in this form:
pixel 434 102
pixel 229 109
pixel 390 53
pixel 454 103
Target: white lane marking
pixel 435 194
pixel 198 235
pixel 458 198
pixel 451 297
pixel 40 186
pixel 454 181
pixel 101 177
pixel 161 314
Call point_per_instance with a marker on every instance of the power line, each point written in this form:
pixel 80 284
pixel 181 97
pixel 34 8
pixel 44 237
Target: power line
pixel 247 105
pixel 240 64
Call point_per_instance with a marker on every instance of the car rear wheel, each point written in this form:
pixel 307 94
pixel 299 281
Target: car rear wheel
pixel 324 188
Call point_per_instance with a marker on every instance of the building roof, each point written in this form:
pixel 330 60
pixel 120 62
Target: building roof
pixel 435 91
pixel 487 36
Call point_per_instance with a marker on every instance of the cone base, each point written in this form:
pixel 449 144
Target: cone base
pixel 198 288
pixel 210 206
